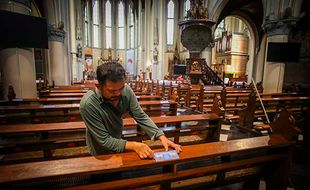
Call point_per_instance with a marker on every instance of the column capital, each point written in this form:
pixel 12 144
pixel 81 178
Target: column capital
pixel 279 27
pixel 56 34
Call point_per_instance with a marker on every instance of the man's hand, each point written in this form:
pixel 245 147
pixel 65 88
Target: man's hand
pixel 167 143
pixel 143 150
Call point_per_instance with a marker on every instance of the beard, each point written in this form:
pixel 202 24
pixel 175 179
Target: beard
pixel 113 98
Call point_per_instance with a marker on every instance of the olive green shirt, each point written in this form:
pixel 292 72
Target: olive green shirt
pixel 104 123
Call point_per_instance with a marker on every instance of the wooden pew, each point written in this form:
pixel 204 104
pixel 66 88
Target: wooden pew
pixel 157 108
pixel 60 100
pixel 296 104
pixel 195 97
pixel 85 86
pixel 283 123
pixel 46 136
pixel 63 91
pixel 251 159
pixel 234 100
pixel 183 94
pixel 273 105
pixel 38 113
pixel 68 94
pixel 63 100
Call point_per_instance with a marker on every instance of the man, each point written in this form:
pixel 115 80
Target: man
pixel 102 110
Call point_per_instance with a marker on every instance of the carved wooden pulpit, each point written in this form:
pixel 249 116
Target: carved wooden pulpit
pixel 196 35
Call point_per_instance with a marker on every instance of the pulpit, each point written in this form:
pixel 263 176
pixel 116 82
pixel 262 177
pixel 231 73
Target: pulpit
pixel 196 35
pixel 195 69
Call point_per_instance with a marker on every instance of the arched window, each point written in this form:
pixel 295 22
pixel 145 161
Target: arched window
pixel 108 24
pixel 170 22
pixel 131 28
pixel 96 28
pixel 86 21
pixel 121 26
pixel 187 6
pixel 219 29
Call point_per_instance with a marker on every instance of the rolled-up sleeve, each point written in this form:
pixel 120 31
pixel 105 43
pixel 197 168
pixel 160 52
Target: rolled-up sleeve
pixel 142 119
pixel 98 138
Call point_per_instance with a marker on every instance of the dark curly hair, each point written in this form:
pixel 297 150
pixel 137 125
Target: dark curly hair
pixel 112 71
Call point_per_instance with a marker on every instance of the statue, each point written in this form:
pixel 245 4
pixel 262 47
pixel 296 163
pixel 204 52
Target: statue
pixel 155 54
pixel 197 11
pixel 61 25
pixel 110 54
pixel 79 51
pixel 11 93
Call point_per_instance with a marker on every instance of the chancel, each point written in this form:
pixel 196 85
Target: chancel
pixel 174 94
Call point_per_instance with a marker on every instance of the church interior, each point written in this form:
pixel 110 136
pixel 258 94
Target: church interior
pixel 226 79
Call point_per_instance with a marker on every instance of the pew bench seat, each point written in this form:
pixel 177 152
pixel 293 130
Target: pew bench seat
pixel 51 136
pixel 268 155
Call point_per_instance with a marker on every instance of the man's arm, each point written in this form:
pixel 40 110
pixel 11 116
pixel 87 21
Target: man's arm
pixel 142 119
pixel 147 125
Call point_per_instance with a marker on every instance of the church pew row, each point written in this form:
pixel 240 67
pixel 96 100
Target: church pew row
pixel 51 136
pixel 294 104
pixel 63 100
pixel 282 110
pixel 235 101
pixel 37 113
pixel 244 160
pixel 288 109
pixel 200 97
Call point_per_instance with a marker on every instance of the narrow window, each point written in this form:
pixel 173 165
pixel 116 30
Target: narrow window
pixel 86 20
pixel 131 29
pixel 96 41
pixel 121 26
pixel 170 22
pixel 187 5
pixel 108 24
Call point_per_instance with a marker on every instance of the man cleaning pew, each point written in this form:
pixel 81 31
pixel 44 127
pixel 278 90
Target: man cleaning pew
pixel 102 110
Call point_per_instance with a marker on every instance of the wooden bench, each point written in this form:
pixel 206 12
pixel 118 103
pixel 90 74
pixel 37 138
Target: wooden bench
pixel 60 100
pixel 51 136
pixel 56 94
pixel 63 100
pixel 246 160
pixel 38 113
pixel 284 121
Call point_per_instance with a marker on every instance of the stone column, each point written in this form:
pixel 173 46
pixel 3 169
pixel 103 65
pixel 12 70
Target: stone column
pixel 280 18
pixel 76 39
pixel 58 53
pixel 56 56
pixel 207 54
pixel 17 65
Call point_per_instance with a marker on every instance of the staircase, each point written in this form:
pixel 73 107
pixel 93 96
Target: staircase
pixel 210 77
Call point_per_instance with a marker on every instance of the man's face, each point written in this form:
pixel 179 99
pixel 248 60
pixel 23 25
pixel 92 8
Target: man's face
pixel 112 90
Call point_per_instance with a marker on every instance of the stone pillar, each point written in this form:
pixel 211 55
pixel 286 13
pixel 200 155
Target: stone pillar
pixel 274 71
pixel 279 19
pixel 76 39
pixel 207 54
pixel 17 65
pixel 58 69
pixel 58 53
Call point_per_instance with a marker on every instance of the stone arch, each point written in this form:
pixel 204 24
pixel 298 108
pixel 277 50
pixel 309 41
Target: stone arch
pixel 254 45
